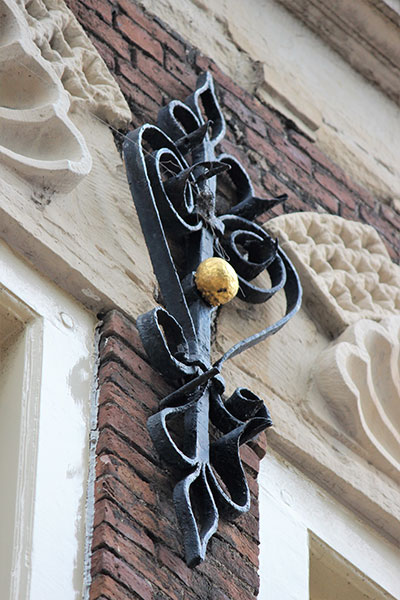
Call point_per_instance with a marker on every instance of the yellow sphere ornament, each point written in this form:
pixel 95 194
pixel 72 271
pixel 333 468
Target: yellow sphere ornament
pixel 216 281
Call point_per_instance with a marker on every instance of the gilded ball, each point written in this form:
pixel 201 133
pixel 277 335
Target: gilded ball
pixel 216 281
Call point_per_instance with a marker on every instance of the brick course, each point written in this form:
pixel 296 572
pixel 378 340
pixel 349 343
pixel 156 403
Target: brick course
pixel 137 547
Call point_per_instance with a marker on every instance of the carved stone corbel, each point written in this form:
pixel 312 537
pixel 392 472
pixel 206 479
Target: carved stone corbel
pixel 37 138
pixel 359 376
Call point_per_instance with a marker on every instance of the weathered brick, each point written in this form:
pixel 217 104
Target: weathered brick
pixel 262 146
pixel 109 442
pixel 315 153
pixel 319 157
pixel 324 197
pixel 148 23
pixel 109 465
pixel 206 589
pixel 252 482
pixel 240 541
pixel 105 536
pixel 141 82
pixel 107 563
pixel 364 194
pixel 271 117
pixel 259 444
pixel 254 507
pixel 106 33
pixel 107 512
pixel 162 529
pixel 276 211
pixel 145 109
pixel 174 564
pixel 392 216
pixel 297 204
pixel 139 36
pixel 288 171
pixel 168 83
pixel 348 213
pixel 389 235
pixel 135 557
pixel 115 323
pixel 204 63
pixel 275 187
pixel 109 488
pixel 336 188
pixel 131 385
pixel 393 252
pixel 249 524
pixel 242 112
pixel 112 416
pixel 112 394
pixel 103 8
pixel 227 556
pixel 292 152
pixel 181 70
pixel 225 581
pixel 112 348
pixel 105 588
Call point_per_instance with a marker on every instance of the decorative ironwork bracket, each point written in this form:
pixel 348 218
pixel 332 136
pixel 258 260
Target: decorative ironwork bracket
pixel 173 176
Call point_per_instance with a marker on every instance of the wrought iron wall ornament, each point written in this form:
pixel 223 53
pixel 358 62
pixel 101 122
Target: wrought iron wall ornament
pixel 173 175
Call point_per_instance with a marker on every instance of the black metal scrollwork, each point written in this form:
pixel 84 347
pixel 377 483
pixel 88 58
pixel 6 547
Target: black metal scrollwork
pixel 173 175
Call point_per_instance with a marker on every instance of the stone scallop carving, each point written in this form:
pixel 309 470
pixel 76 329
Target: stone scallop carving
pixel 63 43
pixel 359 376
pixel 37 138
pixel 345 269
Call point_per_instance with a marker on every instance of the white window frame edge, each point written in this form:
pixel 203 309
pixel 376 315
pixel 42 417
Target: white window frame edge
pixel 292 510
pixel 47 552
pixel 28 446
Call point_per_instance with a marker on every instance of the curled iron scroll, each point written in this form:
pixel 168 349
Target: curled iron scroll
pixel 173 173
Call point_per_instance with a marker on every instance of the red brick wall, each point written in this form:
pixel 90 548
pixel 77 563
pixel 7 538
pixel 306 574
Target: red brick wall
pixel 137 546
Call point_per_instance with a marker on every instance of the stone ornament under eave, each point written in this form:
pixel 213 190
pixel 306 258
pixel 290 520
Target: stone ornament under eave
pixel 359 375
pixel 344 266
pixel 46 61
pixel 64 44
pixel 352 289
